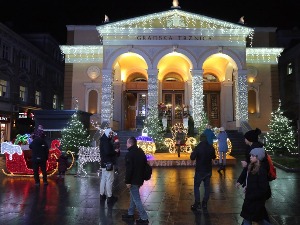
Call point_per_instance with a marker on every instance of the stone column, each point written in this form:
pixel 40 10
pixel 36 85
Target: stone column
pixel 152 88
pixel 107 106
pixel 197 98
pixel 241 97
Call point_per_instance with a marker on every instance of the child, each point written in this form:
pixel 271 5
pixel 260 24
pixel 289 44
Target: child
pixel 257 190
pixel 62 165
pixel 116 143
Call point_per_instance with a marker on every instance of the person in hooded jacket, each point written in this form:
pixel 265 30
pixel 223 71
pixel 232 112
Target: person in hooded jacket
pixel 135 161
pixel 257 190
pixel 108 155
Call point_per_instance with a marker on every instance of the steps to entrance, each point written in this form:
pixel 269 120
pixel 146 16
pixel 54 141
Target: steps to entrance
pixel 124 135
pixel 238 142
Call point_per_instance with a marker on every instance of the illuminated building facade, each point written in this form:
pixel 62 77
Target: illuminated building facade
pixel 188 62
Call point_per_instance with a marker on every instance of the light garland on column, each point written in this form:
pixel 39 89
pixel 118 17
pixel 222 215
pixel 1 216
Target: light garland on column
pixel 241 100
pixel 152 89
pixel 198 108
pixel 107 97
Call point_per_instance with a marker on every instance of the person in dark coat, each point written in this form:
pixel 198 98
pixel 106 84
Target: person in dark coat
pixel 63 164
pixel 40 152
pixel 251 140
pixel 108 155
pixel 135 161
pixel 204 153
pixel 257 190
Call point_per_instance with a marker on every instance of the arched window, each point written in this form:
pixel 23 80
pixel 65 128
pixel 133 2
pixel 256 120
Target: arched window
pixel 173 77
pixel 93 99
pixel 137 77
pixel 210 78
pixel 252 101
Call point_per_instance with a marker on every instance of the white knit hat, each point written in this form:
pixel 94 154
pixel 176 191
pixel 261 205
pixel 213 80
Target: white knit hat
pixel 107 131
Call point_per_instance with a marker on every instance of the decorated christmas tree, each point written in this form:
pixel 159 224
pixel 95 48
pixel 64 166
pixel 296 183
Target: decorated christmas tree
pixel 74 135
pixel 153 126
pixel 203 122
pixel 281 138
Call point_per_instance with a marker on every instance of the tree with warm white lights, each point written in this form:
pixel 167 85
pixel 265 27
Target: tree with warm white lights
pixel 281 138
pixel 203 122
pixel 153 125
pixel 74 135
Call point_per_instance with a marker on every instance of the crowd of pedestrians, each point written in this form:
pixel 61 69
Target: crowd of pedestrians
pixel 253 179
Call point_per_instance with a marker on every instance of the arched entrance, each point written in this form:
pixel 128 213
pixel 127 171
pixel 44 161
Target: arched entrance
pixel 174 74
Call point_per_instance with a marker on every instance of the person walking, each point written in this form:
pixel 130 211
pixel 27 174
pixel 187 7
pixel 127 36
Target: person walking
pixel 108 157
pixel 257 190
pixel 204 153
pixel 251 141
pixel 222 148
pixel 210 135
pixel 135 161
pixel 40 152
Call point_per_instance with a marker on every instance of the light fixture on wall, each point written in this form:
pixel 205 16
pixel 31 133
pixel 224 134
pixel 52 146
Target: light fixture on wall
pixel 93 72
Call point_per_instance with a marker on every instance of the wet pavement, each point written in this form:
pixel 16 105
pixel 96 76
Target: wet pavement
pixel 167 198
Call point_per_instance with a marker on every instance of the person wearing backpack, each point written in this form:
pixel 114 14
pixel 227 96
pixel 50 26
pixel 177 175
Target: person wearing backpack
pixel 135 161
pixel 257 190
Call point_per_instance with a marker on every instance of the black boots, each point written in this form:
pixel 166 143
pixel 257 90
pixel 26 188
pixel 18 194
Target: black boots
pixel 196 206
pixel 221 167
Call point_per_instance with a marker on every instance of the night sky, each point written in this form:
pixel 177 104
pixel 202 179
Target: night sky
pixel 52 16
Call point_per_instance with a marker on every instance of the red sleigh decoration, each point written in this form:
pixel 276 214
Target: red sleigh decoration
pixel 19 163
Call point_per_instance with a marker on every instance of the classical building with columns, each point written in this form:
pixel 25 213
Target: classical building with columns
pixel 188 62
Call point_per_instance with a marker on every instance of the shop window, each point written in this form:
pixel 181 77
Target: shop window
pixel 38 98
pixel 23 93
pixel 3 88
pixel 55 102
pixel 290 69
pixel 210 78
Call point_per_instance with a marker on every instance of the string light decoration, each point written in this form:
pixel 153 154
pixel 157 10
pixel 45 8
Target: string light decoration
pixel 281 138
pixel 263 55
pixel 152 88
pixel 190 142
pixel 18 163
pixel 147 144
pixel 197 95
pixel 107 96
pixel 173 20
pixel 241 100
pixel 85 155
pixel 82 53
